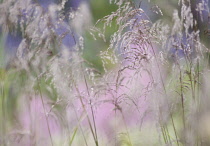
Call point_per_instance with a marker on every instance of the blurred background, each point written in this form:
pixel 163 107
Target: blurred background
pixel 14 81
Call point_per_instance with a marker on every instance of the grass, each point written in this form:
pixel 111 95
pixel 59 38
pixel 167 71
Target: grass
pixel 146 82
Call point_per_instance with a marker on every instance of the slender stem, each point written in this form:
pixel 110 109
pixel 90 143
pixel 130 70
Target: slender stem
pixel 83 106
pixel 94 122
pixel 46 117
pixel 182 95
pixel 182 98
pixel 35 119
pixel 174 130
pixel 115 127
pixel 160 120
pixel 191 83
pixel 163 133
pixel 156 60
pixel 78 119
pixel 3 115
pixel 167 134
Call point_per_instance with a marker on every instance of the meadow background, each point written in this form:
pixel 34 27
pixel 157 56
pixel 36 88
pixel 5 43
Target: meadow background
pixel 104 72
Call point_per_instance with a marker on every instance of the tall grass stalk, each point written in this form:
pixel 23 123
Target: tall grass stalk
pixel 162 82
pixel 75 131
pixel 127 70
pixel 3 115
pixel 88 118
pixel 91 107
pixel 45 111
